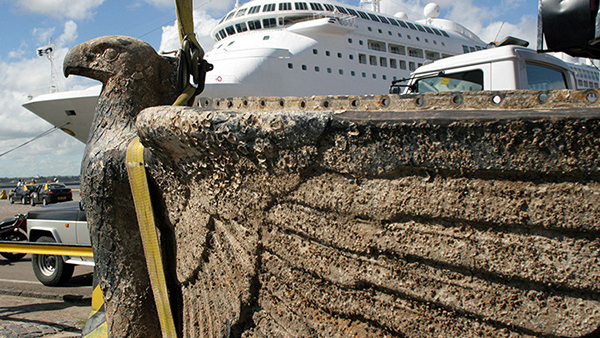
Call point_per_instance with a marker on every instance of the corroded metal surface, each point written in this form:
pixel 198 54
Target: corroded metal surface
pixel 381 216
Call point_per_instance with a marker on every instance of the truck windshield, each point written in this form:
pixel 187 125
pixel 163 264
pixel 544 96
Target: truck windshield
pixel 540 77
pixel 470 80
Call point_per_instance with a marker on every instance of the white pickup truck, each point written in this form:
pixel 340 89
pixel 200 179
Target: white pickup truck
pixel 501 68
pixel 61 223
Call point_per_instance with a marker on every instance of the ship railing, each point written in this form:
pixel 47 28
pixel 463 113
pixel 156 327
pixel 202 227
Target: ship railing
pixel 343 19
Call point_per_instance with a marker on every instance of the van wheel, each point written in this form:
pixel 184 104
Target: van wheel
pixel 23 200
pixel 32 201
pixel 51 270
pixel 11 200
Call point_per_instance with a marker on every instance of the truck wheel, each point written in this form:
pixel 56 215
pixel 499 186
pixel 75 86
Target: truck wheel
pixel 51 270
pixel 14 236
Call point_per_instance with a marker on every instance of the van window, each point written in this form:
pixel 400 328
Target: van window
pixel 470 80
pixel 540 77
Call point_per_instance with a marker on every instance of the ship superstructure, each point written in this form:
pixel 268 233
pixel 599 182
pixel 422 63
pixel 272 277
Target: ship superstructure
pixel 281 48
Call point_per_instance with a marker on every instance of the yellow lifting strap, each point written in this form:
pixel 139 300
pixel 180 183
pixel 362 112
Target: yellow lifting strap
pixel 145 216
pixel 139 184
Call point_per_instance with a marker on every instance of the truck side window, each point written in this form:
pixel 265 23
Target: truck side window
pixel 540 77
pixel 456 82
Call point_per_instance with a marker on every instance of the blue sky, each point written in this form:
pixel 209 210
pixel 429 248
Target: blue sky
pixel 29 24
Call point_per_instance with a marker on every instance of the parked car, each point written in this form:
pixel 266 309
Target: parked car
pixel 22 193
pixel 62 223
pixel 51 193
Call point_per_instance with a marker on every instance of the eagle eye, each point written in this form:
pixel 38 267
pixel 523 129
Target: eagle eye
pixel 110 54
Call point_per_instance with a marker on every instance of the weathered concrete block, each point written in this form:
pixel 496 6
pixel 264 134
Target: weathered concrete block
pixel 434 215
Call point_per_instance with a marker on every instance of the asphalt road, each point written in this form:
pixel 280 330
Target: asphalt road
pixel 30 309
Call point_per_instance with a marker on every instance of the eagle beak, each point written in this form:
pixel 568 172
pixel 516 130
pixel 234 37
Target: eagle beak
pixel 81 60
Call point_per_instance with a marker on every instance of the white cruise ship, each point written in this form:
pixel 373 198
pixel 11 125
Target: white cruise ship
pixel 281 48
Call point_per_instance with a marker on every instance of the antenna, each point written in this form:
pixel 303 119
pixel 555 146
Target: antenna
pixel 237 4
pixel 499 29
pixel 48 51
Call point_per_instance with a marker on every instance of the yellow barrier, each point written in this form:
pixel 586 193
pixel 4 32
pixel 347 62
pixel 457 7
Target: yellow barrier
pixel 46 248
pixel 3 195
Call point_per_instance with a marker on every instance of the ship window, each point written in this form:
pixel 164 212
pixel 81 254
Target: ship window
pixel 266 37
pixel 217 37
pixel 229 15
pixel 539 77
pixel 428 30
pixel 393 22
pixel 353 73
pixel 469 80
pixel 317 69
pixel 434 42
pixel 372 60
pixel 397 49
pixel 341 72
pixel 373 17
pixel 465 49
pixel 418 38
pixel 436 31
pixel 446 56
pixel 380 31
pixel 230 30
pixel 285 6
pixel 402 24
pixel 329 70
pixel 426 40
pixel 376 45
pixel 316 6
pixel 444 33
pixel 254 9
pixel 315 51
pixel 363 15
pixel 352 12
pixel 301 6
pixel 222 33
pixel 383 62
pixel 443 44
pixel 411 66
pixel 304 67
pixel 254 24
pixel 411 26
pixel 472 49
pixel 364 74
pixel 341 9
pixel 370 29
pixel 269 8
pixel 241 27
pixel 270 22
pixel 362 58
pixel 290 66
pixel 339 55
pixel 402 64
pixel 360 42
pixel 393 63
pixel 351 57
pixel 384 77
pixel 415 53
pixel 383 19
pixel 329 7
pixel 419 65
pixel 408 36
pixel 349 40
pixel 390 33
pixel 328 53
pixel 241 12
pixel 399 35
pixel 374 76
pixel 420 28
pixel 429 55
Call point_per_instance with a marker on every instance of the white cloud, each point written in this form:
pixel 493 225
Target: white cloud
pixel 69 35
pixel 71 9
pixel 203 24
